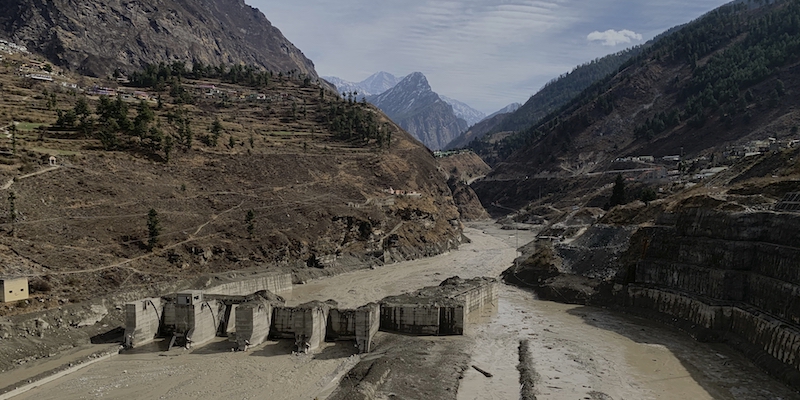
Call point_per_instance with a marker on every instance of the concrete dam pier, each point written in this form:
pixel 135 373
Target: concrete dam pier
pixel 438 310
pixel 194 317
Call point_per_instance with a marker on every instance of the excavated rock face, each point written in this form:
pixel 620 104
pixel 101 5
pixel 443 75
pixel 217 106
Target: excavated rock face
pixel 96 37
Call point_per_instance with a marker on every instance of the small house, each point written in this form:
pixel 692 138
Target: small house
pixel 14 289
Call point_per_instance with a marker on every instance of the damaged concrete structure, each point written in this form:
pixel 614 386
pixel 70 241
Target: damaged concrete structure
pixel 437 310
pixel 194 317
pixel 306 324
pixel 253 320
pixel 142 321
pixel 360 324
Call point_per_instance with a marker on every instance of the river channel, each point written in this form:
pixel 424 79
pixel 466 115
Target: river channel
pixel 579 352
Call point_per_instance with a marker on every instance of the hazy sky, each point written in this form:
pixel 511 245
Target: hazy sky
pixel 486 53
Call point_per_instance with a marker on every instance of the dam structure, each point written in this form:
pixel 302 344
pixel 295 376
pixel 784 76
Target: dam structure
pixel 194 317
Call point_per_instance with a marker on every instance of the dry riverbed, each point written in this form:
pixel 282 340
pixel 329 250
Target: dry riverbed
pixel 578 352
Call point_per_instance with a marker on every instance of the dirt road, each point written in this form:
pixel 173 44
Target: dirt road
pixel 580 352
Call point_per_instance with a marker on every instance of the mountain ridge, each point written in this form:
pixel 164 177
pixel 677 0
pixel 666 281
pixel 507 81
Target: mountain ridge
pixel 414 106
pixel 98 38
pixel 375 84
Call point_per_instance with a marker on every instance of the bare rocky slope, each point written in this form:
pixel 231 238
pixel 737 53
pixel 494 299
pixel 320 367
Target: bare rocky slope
pixel 97 37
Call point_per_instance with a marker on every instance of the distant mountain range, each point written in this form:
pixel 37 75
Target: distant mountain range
pixel 377 83
pixel 463 111
pixel 381 82
pixel 414 106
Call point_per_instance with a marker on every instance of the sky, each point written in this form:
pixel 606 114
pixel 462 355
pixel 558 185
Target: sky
pixel 486 53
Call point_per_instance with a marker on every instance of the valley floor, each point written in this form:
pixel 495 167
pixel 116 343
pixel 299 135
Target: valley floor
pixel 578 352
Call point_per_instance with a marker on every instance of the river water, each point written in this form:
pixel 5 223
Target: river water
pixel 579 352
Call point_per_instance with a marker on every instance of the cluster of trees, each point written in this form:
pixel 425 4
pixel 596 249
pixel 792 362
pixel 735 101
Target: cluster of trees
pixel 158 76
pixel 111 124
pixel 659 123
pixel 350 120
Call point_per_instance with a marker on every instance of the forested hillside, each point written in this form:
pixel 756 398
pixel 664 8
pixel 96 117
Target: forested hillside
pixel 717 62
pixel 700 91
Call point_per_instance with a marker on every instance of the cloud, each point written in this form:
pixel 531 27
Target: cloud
pixel 613 38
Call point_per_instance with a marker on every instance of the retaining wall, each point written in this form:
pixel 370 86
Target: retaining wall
pixel 142 321
pixel 276 283
pixel 766 334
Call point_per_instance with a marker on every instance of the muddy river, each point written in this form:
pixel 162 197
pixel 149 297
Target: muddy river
pixel 579 352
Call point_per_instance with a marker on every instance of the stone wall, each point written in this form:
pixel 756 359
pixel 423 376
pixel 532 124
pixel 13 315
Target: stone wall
pixel 142 321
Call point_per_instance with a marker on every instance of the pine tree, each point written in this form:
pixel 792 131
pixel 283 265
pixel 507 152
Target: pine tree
pixel 153 229
pixel 250 221
pixel 618 193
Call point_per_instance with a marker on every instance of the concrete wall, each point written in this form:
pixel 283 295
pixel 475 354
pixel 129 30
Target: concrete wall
pixel 253 321
pixel 477 298
pixel 168 319
pixel 199 322
pixel 367 325
pixel 13 289
pixel 360 325
pixel 309 327
pixel 142 320
pixel 412 318
pixel 306 323
pixel 276 283
pixel 439 310
pixel 341 325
